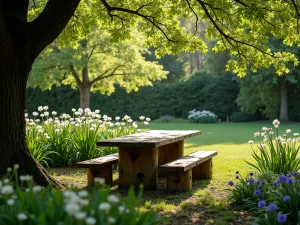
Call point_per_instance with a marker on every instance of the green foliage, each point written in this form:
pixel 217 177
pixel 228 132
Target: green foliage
pixel 203 116
pixel 201 91
pixel 46 206
pixel 107 64
pixel 243 117
pixel 247 191
pixel 276 154
pixel 65 140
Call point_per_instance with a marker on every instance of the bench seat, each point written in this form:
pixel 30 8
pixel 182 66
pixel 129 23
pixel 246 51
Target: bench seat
pixel 180 172
pixel 99 167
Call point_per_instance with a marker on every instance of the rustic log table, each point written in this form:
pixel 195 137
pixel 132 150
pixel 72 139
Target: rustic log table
pixel 141 154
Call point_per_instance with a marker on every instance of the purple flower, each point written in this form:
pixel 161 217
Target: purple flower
pixel 260 187
pixel 282 179
pixel 251 180
pixel 236 177
pixel 257 192
pixel 275 184
pixel 237 172
pixel 272 207
pixel 230 183
pixel 261 203
pixel 295 173
pixel 286 198
pixel 257 182
pixel 251 173
pixel 263 182
pixel 281 218
pixel 290 181
pixel 289 175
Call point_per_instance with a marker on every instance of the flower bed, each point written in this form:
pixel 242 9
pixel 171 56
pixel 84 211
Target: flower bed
pixel 273 193
pixel 66 139
pixel 36 205
pixel 203 116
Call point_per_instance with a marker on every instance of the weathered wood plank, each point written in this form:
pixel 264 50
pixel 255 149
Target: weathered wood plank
pixel 179 181
pixel 149 139
pixel 187 162
pixel 138 166
pixel 99 162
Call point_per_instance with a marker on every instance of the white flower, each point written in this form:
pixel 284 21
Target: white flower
pixel 296 134
pixel 40 108
pixel 10 201
pixel 7 190
pixel 97 111
pixel 46 113
pixel 84 202
pixel 22 216
pixel 104 206
pixel 99 180
pixel 148 119
pixel 25 178
pixel 264 129
pixel 26 114
pixel 146 123
pixel 37 188
pixel 9 169
pixel 130 121
pixel 42 115
pixel 142 118
pixel 80 215
pixel 35 114
pixel 276 123
pixel 45 108
pixel 250 142
pixel 90 220
pixel 288 131
pixel 111 220
pixel 256 134
pixel 16 166
pixel 87 110
pixel 72 208
pixel 54 113
pixel 263 145
pixel 121 209
pixel 126 117
pixel 69 194
pixel 83 193
pixel 112 199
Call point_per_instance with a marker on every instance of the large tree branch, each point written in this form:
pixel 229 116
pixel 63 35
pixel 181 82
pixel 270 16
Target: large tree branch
pixel 50 23
pixel 103 75
pixel 75 74
pixel 148 18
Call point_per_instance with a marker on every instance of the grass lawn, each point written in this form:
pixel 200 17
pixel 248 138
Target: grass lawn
pixel 207 202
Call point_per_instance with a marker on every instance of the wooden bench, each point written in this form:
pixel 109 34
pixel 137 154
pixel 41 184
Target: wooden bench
pixel 99 167
pixel 180 172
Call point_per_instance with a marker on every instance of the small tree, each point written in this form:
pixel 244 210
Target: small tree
pixel 97 64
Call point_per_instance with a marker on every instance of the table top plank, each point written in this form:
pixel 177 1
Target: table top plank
pixel 151 138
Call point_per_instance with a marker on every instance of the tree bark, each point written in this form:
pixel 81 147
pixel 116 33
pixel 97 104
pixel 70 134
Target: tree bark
pixel 284 116
pixel 20 43
pixel 84 96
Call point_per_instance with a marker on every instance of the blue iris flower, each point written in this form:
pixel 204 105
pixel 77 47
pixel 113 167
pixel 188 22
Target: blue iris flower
pixel 281 218
pixel 272 207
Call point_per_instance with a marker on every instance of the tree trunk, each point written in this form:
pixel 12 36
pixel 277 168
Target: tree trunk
pixel 84 96
pixel 85 89
pixel 284 116
pixel 13 145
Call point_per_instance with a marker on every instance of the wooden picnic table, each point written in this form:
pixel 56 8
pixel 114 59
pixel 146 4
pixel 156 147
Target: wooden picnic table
pixel 141 154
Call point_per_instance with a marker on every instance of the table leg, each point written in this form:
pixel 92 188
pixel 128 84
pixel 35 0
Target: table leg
pixel 170 152
pixel 138 166
pixel 105 173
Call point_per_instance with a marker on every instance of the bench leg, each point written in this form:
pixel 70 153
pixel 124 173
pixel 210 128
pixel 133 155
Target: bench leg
pixel 105 173
pixel 168 153
pixel 138 166
pixel 179 181
pixel 203 171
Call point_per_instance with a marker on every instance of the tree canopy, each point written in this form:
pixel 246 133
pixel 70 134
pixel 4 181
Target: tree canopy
pixel 243 27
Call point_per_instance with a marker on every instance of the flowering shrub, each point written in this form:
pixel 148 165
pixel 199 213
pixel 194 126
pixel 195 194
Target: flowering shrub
pixel 283 206
pixel 66 139
pixel 277 154
pixel 202 116
pixel 47 206
pixel 248 190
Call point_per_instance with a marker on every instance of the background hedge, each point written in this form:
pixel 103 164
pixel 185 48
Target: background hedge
pixel 201 92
